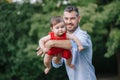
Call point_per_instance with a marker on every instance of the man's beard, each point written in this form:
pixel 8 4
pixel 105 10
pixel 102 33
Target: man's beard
pixel 72 30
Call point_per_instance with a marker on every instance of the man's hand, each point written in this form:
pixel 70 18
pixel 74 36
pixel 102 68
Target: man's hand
pixel 48 45
pixel 39 51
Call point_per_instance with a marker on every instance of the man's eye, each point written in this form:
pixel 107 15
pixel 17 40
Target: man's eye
pixel 66 18
pixel 73 18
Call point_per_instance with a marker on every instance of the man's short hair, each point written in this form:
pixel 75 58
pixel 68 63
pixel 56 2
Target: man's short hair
pixel 72 8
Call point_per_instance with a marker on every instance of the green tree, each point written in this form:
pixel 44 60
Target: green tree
pixel 114 32
pixel 16 63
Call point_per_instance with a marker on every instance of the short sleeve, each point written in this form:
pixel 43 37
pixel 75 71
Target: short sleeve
pixel 57 65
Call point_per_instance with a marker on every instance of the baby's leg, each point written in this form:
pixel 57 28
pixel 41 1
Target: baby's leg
pixel 47 63
pixel 69 62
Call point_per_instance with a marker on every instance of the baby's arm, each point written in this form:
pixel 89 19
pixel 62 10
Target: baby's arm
pixel 42 42
pixel 71 36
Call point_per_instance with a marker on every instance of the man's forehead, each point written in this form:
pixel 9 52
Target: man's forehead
pixel 70 14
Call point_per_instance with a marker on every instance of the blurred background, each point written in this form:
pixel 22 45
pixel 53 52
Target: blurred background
pixel 24 22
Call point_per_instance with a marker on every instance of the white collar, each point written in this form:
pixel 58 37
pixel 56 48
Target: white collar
pixel 77 30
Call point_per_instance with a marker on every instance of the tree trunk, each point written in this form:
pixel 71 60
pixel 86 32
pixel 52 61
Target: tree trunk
pixel 118 63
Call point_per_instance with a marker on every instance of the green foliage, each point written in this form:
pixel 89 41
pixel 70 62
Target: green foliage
pixel 14 40
pixel 113 42
pixel 82 2
pixel 113 12
pixel 39 23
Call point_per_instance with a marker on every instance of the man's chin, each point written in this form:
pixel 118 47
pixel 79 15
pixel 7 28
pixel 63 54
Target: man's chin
pixel 69 29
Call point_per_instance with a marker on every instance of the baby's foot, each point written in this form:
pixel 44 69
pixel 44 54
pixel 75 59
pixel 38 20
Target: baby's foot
pixel 46 70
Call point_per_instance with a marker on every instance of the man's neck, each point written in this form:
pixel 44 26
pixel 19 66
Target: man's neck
pixel 69 32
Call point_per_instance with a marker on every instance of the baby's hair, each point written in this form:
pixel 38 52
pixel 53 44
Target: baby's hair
pixel 55 20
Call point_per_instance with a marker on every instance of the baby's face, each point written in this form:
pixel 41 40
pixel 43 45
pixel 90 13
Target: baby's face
pixel 59 29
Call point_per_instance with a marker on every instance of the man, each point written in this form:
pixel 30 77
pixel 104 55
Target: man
pixel 84 70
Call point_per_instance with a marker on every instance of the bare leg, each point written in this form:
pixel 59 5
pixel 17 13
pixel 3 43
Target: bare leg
pixel 68 62
pixel 47 63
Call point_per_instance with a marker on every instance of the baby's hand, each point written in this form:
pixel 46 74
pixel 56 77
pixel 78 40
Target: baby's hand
pixel 80 48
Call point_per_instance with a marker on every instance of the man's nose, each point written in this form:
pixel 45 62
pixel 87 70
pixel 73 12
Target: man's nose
pixel 69 21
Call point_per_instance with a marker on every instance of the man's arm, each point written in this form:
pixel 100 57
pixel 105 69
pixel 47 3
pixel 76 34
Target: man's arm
pixel 65 44
pixel 78 42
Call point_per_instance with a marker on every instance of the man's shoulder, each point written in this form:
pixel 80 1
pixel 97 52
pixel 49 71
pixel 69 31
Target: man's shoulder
pixel 83 32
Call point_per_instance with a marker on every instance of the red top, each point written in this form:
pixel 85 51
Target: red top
pixel 54 51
